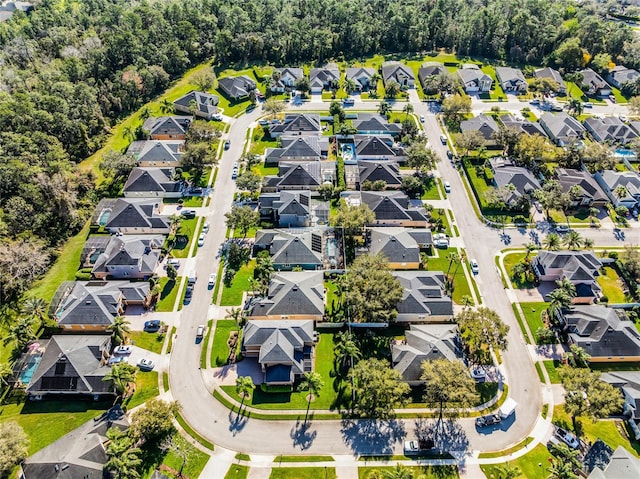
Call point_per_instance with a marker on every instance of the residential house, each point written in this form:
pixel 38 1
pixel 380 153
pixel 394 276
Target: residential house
pixel 562 128
pixel 324 78
pixel 391 208
pixel 167 127
pixel 591 194
pixel 598 455
pixel 375 124
pixel 91 306
pixel 606 334
pixel 620 75
pixel 425 299
pixel 424 342
pixel 198 103
pixel 7 8
pixel 511 80
pixel 72 365
pixel 610 129
pixel 399 73
pixel 484 124
pixel 473 79
pixel 401 246
pixel 78 454
pixel 299 248
pixel 131 216
pixel 623 465
pixel 297 124
pixel 612 182
pixel 153 182
pixel 156 153
pixel 287 79
pixel 593 84
pixel 129 257
pixel 300 176
pixel 361 77
pixel 291 295
pixel 429 70
pixel 298 148
pixel 236 88
pixel 284 349
pixel 292 208
pixel 522 125
pixel 581 268
pixel 372 171
pixel 552 74
pixel 378 148
pixel 523 181
pixel 629 384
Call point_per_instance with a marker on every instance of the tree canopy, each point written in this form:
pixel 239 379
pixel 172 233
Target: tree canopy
pixel 448 384
pixel 482 329
pixel 377 388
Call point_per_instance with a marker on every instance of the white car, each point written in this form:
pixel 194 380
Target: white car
pixel 478 374
pixel 447 187
pixel 421 118
pixel 200 331
pixel 568 438
pixel 474 266
pixel 212 280
pixel 205 228
pixel 443 139
pixel 201 239
pixel 174 262
pixel 122 350
pixel 146 364
pixel 411 447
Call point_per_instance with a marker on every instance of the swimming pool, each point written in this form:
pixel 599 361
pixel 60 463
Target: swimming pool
pixel 104 217
pixel 27 372
pixel 623 152
pixel 348 152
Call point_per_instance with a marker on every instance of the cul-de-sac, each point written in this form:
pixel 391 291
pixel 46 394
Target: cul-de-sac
pixel 286 239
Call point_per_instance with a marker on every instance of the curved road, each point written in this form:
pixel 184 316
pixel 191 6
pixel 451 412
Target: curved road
pixel 215 422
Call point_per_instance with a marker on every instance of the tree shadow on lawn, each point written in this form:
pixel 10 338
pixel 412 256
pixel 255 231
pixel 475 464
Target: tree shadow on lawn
pixel 448 436
pixel 168 287
pixel 370 436
pixel 69 405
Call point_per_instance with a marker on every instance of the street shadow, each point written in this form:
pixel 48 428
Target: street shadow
pixel 237 422
pixel 372 437
pixel 302 434
pixel 446 434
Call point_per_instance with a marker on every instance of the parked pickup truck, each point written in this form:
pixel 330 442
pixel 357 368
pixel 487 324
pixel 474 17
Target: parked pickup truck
pixel 418 447
pixel 488 420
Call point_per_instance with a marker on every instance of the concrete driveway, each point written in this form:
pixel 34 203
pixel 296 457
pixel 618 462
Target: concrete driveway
pixel 227 375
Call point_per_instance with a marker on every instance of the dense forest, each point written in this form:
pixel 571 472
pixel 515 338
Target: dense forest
pixel 70 69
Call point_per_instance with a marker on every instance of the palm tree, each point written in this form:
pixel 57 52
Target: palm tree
pixel 166 106
pixel 587 243
pixel 400 472
pixel 508 471
pixel 408 109
pixel 518 270
pixel 466 301
pixel 236 314
pixel 349 86
pixel 452 257
pixel 244 388
pixel 566 285
pixel 128 133
pixel 558 299
pixel 577 357
pixel 314 383
pixel 620 192
pixel 384 108
pixel 552 242
pixel 564 452
pixel 529 248
pixel 346 348
pixel 21 332
pixel 118 328
pixel 593 214
pixel 35 308
pixel 121 375
pixel 575 107
pixel 5 372
pixel 254 284
pixel 461 259
pixel 573 240
pixel 561 470
pixel 124 465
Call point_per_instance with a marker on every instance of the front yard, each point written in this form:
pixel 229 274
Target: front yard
pixel 232 295
pixel 149 341
pixel 184 238
pixel 461 287
pixel 533 465
pixel 220 348
pixel 533 315
pixel 168 293
pixel 426 472
pixel 146 388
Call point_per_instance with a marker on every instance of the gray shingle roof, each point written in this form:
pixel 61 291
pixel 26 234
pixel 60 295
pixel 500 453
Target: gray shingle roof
pixel 292 293
pixel 425 342
pixel 551 74
pixel 303 148
pixel 323 76
pixel 360 75
pixel 387 171
pixel 152 180
pixel 589 186
pixel 236 87
pixel 471 75
pixel 142 252
pixel 157 151
pixel 576 265
pixel 522 179
pixel 523 126
pixel 396 71
pixel 623 465
pixel 429 69
pixel 136 213
pixel 206 103
pixel 424 293
pixel 398 245
pixel 167 125
pixel 293 249
pixel 392 205
pixel 561 127
pixel 485 124
pixel 300 123
pixel 610 129
pixel 592 82
pixel 629 179
pixel 621 75
pixel 372 146
pixel 372 122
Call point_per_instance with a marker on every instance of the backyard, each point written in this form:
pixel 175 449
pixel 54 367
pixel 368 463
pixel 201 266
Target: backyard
pixel 612 285
pixel 232 295
pixel 461 287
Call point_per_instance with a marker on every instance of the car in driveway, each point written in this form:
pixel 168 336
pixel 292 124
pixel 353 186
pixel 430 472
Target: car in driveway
pixel 146 364
pixel 478 374
pixel 189 214
pixel 568 438
pixel 201 239
pixel 122 350
pixel 152 326
pixel 488 420
pixel 212 280
pixel 475 269
pixel 117 360
pixel 175 262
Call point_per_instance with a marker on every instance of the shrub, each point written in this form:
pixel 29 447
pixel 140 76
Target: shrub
pixel 604 299
pixel 82 276
pixel 545 336
pixel 613 255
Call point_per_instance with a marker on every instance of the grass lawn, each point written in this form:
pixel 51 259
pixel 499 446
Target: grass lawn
pixel 298 399
pixel 532 313
pixel 220 349
pixel 581 216
pixel 426 472
pixel 606 429
pixel 146 388
pixel 303 472
pixel 441 263
pixel 169 291
pixel 250 234
pixel 46 421
pixel 620 98
pixel 332 296
pixel 528 464
pixel 185 236
pixel 233 107
pixel 64 269
pixel 149 341
pixel 510 260
pixel 265 170
pixel 193 459
pixel 435 214
pixel 431 191
pixel 303 459
pixel 188 201
pixel 553 368
pixel 236 471
pixel 611 285
pixel 232 296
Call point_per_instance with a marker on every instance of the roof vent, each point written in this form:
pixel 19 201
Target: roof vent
pixel 88 301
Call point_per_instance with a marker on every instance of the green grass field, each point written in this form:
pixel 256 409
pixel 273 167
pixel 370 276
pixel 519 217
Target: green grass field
pixel 236 471
pixel 220 349
pixel 303 472
pixel 190 460
pixel 533 465
pixel 232 296
pixel 552 368
pixel 168 292
pixel 532 313
pixel 441 263
pixel 611 285
pixel 186 234
pixel 146 388
pixel 149 341
pixel 426 472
